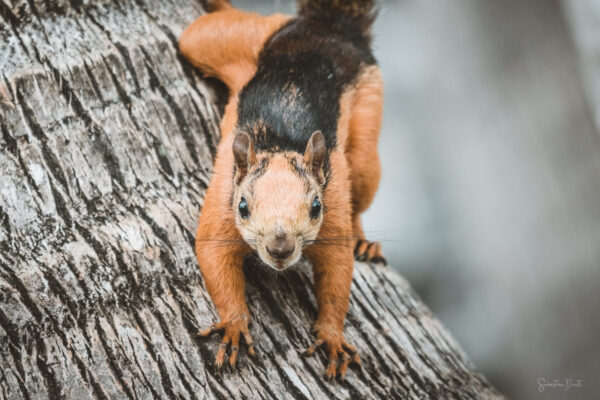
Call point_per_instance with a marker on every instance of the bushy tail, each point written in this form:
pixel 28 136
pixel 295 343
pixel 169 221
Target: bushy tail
pixel 360 12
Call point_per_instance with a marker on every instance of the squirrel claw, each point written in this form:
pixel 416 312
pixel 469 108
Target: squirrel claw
pixel 233 331
pixel 341 356
pixel 369 252
pixel 311 350
pixel 212 329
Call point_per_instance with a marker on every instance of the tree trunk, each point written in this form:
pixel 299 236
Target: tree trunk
pixel 106 145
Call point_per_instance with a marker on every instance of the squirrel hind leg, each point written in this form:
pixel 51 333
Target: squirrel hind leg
pixel 361 148
pixel 366 250
pixel 225 44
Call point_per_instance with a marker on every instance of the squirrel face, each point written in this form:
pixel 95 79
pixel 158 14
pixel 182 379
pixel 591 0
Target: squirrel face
pixel 277 199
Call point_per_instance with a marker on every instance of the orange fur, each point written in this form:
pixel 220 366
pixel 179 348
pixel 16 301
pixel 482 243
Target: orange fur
pixel 350 191
pixel 226 45
pixel 219 244
pixel 333 265
pixel 361 148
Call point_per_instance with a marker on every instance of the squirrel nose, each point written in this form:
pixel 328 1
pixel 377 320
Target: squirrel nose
pixel 280 247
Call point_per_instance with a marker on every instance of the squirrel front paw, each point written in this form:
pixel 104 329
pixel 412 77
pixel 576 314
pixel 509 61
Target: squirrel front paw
pixel 233 329
pixel 340 353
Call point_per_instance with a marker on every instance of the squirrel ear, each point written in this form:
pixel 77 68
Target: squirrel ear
pixel 314 155
pixel 243 152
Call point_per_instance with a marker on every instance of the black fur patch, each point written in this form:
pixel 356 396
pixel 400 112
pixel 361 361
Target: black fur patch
pixel 257 173
pixel 260 170
pixel 299 169
pixel 302 72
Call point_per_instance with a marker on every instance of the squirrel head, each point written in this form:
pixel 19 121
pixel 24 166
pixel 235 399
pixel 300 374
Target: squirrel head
pixel 278 198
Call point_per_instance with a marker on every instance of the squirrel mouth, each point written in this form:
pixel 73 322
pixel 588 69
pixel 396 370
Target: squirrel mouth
pixel 280 265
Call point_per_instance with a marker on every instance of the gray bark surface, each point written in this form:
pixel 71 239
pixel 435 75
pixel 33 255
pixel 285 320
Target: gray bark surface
pixel 106 144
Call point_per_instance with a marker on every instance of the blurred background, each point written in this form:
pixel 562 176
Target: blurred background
pixel 490 198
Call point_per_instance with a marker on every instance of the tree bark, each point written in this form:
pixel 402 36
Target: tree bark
pixel 106 146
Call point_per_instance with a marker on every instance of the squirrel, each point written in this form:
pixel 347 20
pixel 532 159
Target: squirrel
pixel 297 161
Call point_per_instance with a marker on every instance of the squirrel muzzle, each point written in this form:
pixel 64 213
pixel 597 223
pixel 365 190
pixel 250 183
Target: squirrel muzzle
pixel 280 247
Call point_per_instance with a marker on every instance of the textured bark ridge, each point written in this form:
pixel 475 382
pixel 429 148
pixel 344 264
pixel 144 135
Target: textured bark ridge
pixel 106 147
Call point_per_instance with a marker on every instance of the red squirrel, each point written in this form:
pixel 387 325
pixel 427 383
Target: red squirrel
pixel 297 162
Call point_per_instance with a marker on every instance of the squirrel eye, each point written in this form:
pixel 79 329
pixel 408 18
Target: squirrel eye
pixel 315 209
pixel 243 207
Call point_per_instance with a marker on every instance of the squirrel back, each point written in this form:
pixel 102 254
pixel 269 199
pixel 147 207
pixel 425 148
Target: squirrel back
pixel 297 162
pixel 303 70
